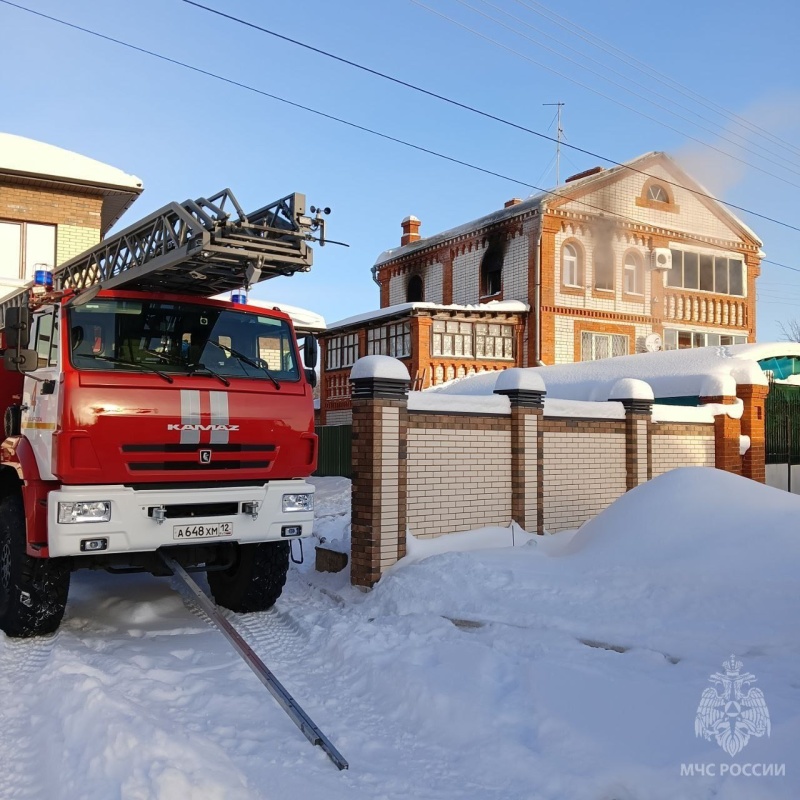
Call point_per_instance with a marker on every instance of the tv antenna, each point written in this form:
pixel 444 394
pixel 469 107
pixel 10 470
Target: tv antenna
pixel 559 134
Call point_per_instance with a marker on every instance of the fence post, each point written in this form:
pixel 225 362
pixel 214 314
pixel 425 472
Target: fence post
pixel 753 424
pixel 637 399
pixel 525 390
pixel 380 429
pixel 726 429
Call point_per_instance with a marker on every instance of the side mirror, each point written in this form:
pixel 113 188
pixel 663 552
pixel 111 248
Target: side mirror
pixel 311 377
pixel 310 351
pixel 17 326
pixel 21 360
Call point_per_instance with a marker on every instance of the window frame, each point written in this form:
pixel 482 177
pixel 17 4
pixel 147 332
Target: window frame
pixel 637 268
pixel 676 277
pixel 576 249
pixel 341 351
pixel 25 270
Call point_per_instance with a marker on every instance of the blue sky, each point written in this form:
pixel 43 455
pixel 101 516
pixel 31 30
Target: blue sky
pixel 188 135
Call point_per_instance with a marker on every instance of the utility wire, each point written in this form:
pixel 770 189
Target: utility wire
pixel 745 140
pixel 592 39
pixel 594 91
pixel 478 111
pixel 363 128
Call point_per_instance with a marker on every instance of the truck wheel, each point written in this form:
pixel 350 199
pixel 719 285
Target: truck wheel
pixel 255 580
pixel 33 591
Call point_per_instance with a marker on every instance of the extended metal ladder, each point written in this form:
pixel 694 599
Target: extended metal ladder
pixel 198 247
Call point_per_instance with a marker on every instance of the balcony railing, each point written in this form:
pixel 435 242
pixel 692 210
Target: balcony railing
pixel 711 309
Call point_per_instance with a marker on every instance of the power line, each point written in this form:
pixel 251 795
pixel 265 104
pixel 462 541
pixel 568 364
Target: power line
pixel 356 126
pixel 641 66
pixel 478 111
pixel 597 92
pixel 646 97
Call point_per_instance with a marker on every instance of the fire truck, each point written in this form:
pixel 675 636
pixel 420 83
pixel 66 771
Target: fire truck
pixel 144 417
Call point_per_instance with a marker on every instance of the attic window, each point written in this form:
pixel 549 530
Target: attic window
pixel 658 193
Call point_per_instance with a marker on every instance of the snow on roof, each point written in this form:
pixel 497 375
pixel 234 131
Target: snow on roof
pixel 302 318
pixel 504 306
pixel 21 155
pixel 674 373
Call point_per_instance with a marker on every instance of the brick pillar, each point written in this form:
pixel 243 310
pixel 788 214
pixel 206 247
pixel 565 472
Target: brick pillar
pixel 380 429
pixel 526 396
pixel 754 460
pixel 637 399
pixel 726 437
pixel 447 279
pixel 638 455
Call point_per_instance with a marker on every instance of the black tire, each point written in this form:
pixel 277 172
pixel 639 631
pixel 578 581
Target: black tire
pixel 255 580
pixel 33 591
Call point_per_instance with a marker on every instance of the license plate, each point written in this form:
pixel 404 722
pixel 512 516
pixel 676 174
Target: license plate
pixel 185 532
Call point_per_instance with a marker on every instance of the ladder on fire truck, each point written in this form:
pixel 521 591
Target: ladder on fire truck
pixel 199 247
pixel 204 247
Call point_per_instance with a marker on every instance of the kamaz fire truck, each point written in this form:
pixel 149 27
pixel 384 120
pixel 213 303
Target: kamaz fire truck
pixel 143 417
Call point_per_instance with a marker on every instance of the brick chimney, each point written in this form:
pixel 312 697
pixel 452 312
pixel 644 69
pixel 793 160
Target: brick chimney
pixel 514 201
pixel 410 226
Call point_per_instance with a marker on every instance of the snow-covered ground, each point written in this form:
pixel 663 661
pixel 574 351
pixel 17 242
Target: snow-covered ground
pixel 564 667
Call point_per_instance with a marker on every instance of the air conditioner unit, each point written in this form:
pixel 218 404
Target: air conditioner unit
pixel 662 258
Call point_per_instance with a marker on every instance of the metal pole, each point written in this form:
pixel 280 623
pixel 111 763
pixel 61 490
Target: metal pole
pixel 262 672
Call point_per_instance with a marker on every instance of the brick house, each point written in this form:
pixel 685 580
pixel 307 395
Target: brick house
pixel 54 204
pixel 615 262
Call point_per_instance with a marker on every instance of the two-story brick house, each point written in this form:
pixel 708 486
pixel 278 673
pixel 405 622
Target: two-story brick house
pixel 54 204
pixel 616 261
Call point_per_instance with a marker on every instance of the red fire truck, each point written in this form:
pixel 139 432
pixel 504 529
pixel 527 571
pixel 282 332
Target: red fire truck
pixel 143 417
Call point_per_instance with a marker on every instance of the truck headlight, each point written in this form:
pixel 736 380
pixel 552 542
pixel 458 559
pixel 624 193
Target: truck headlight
pixel 94 511
pixel 298 502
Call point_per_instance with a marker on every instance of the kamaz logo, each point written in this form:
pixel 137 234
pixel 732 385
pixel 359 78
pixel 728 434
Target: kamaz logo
pixel 175 427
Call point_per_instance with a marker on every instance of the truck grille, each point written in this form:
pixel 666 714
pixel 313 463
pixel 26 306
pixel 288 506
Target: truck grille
pixel 227 457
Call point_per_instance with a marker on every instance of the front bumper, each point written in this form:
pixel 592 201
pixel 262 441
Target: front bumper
pixel 133 528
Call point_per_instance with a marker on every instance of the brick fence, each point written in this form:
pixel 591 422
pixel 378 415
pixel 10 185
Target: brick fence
pixel 434 465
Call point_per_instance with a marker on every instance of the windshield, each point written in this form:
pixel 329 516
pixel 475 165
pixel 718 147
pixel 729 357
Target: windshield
pixel 181 338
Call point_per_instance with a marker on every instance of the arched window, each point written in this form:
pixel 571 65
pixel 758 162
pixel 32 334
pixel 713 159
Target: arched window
pixel 571 266
pixel 633 280
pixel 603 269
pixel 414 289
pixel 658 193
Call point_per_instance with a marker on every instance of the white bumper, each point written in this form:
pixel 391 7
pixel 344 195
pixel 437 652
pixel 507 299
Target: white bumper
pixel 132 527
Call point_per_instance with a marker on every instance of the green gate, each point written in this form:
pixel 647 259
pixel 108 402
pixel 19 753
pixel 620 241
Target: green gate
pixel 782 424
pixel 335 444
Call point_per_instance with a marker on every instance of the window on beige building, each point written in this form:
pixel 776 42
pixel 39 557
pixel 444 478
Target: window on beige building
pixel 683 340
pixel 603 260
pixel 23 245
pixel 595 346
pixel 571 267
pixel 658 193
pixel 706 273
pixel 634 274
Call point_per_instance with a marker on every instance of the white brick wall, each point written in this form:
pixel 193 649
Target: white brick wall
pixel 397 289
pixel 433 283
pixel 565 340
pixel 583 473
pixel 515 270
pixel 390 499
pixel 466 278
pixel 670 452
pixel 457 480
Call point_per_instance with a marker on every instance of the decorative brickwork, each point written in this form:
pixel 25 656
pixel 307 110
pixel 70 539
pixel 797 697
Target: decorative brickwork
pixel 753 461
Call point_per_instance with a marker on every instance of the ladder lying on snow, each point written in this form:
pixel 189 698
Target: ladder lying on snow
pixel 198 247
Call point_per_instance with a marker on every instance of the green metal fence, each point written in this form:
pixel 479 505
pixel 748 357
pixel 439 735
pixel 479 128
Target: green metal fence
pixel 335 443
pixel 782 424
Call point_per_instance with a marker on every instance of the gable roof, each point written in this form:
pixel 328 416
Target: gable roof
pixel 572 191
pixel 30 162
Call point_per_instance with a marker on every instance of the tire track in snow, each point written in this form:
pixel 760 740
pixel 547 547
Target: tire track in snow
pixel 22 663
